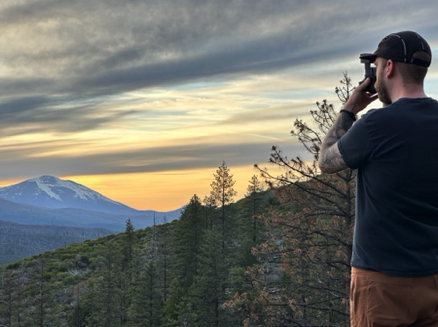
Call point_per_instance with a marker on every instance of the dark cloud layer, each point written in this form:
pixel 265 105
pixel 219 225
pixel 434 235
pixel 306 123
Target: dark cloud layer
pixel 28 112
pixel 95 48
pixel 140 160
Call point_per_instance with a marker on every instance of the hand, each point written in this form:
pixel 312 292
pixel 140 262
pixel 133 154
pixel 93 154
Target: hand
pixel 360 99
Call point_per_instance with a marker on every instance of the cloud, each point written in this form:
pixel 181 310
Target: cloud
pixel 40 115
pixel 81 77
pixel 274 114
pixel 134 161
pixel 90 48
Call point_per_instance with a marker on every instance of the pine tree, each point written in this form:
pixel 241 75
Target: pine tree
pixel 222 193
pixel 210 207
pixel 146 307
pixel 41 305
pixel 209 289
pixel 187 238
pixel 126 273
pixel 254 189
pixel 163 259
pixel 102 300
pixel 128 245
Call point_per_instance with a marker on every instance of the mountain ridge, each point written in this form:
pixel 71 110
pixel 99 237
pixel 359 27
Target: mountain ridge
pixel 54 193
pixel 48 200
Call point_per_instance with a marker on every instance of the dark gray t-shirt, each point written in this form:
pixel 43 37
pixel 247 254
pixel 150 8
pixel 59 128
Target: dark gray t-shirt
pixel 395 150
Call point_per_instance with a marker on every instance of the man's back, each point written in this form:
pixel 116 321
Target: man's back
pixel 397 191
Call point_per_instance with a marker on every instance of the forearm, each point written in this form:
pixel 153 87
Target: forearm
pixel 330 160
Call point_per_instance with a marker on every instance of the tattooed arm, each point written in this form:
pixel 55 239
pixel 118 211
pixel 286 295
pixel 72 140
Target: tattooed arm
pixel 330 159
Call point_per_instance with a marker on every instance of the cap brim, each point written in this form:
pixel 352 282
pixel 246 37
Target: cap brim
pixel 368 56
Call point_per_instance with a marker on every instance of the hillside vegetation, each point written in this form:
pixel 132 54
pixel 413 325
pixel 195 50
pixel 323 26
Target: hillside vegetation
pixel 21 241
pixel 158 276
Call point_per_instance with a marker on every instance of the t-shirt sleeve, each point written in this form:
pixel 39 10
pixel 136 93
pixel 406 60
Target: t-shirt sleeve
pixel 355 145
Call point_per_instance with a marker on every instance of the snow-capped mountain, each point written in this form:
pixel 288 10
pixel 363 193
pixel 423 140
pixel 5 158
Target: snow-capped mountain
pixel 54 193
pixel 47 203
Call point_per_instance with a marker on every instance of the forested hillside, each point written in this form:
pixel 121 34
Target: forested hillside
pixel 20 241
pixel 163 275
pixel 277 257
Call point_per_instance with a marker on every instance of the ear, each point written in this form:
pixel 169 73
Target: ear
pixel 389 68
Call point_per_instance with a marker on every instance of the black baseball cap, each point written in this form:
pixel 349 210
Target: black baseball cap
pixel 400 47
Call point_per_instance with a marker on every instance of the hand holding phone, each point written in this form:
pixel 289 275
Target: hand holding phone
pixel 369 72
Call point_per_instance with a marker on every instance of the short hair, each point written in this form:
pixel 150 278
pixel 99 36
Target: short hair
pixel 411 73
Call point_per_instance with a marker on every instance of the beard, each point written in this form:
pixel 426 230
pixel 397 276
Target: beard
pixel 382 91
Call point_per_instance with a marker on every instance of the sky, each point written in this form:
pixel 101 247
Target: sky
pixel 142 101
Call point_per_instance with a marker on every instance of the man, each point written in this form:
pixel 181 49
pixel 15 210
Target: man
pixel 395 151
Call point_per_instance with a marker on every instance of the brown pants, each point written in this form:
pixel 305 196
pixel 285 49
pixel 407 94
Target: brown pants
pixel 377 299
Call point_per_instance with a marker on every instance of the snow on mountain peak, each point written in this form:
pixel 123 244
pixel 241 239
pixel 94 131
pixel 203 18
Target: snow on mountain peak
pixel 46 183
pixel 53 192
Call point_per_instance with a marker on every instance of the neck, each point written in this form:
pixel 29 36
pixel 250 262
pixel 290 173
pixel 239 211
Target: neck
pixel 408 91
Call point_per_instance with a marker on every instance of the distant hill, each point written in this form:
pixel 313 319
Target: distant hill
pixel 20 241
pixel 48 200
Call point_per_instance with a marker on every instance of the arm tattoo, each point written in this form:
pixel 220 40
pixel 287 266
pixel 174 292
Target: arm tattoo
pixel 330 159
